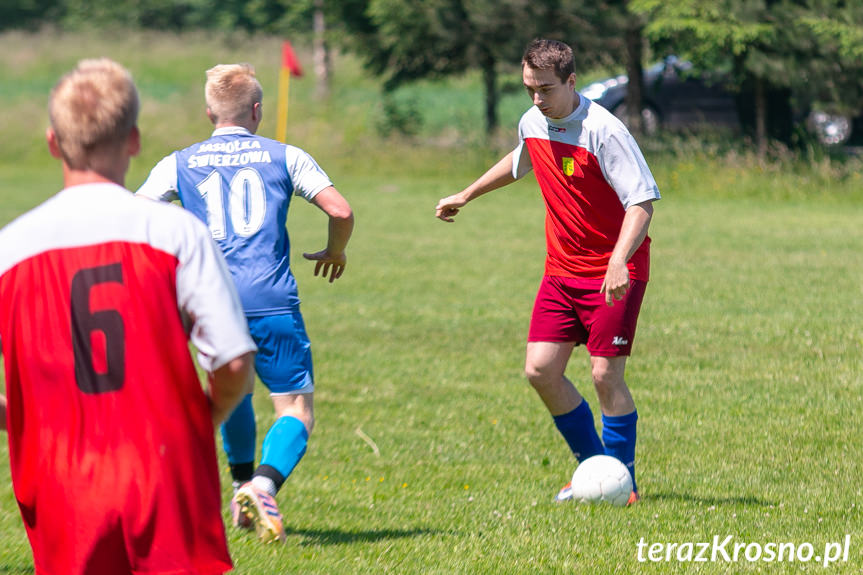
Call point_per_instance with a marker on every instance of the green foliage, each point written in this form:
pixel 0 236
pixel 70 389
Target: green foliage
pixel 287 17
pixel 402 118
pixel 27 14
pixel 161 14
pixel 835 72
pixel 812 47
pixel 710 33
pixel 417 39
pixel 839 24
pixel 403 41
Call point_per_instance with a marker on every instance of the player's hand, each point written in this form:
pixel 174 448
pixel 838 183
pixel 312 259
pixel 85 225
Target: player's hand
pixel 448 207
pixel 616 282
pixel 327 263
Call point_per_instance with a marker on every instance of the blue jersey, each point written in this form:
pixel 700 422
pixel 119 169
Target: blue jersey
pixel 241 185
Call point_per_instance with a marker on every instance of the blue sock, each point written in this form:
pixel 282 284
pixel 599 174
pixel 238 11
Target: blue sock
pixel 618 434
pixel 579 431
pixel 284 446
pixel 239 434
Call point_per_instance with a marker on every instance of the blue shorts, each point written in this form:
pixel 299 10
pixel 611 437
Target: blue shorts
pixel 284 359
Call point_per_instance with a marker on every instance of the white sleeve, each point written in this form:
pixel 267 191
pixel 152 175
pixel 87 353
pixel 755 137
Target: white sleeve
pixel 306 175
pixel 625 169
pixel 208 300
pixel 520 156
pixel 161 184
pixel 520 161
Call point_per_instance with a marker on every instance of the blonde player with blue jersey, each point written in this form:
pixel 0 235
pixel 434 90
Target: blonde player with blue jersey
pixel 241 185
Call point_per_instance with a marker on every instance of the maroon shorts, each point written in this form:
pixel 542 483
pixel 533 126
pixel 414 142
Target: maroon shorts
pixel 573 309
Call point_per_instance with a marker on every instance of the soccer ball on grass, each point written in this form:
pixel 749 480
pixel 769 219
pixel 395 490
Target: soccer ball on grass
pixel 601 478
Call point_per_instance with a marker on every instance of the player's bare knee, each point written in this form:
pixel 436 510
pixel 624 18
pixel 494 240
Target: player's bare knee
pixel 611 389
pixel 532 373
pixel 605 379
pixel 539 377
pixel 599 375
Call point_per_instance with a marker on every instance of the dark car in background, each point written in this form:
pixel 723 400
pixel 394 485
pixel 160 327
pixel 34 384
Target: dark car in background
pixel 676 96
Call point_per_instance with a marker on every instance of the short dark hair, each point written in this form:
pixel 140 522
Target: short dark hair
pixel 544 54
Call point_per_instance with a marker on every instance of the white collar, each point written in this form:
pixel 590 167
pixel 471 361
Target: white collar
pixel 227 130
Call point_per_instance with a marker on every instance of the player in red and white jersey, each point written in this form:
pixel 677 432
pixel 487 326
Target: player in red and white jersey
pixel 111 434
pixel 599 196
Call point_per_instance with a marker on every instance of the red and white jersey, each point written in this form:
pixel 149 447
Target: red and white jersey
pixel 108 422
pixel 590 170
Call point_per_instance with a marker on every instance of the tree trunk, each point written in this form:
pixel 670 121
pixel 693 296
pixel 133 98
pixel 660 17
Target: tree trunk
pixel 321 52
pixel 489 77
pixel 635 73
pixel 760 118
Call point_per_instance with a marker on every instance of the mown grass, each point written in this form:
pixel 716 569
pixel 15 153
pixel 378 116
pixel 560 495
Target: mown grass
pixel 431 454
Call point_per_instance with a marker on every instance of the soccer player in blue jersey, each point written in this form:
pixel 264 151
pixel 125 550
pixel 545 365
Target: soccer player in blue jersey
pixel 241 184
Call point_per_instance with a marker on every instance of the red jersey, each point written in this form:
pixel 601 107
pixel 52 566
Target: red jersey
pixel 110 435
pixel 589 170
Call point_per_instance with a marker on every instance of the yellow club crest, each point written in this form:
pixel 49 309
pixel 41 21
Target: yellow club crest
pixel 568 165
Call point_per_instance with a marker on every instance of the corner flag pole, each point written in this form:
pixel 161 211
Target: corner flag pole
pixel 290 67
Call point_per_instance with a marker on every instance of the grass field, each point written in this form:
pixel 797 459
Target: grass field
pixel 431 453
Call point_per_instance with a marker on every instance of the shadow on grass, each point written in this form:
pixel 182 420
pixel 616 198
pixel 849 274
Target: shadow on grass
pixel 672 496
pixel 336 537
pixel 16 569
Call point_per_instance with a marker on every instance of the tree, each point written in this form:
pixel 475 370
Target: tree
pixel 834 68
pixel 321 51
pixel 624 29
pixel 777 50
pixel 405 40
pixel 159 14
pixel 303 19
pixel 26 13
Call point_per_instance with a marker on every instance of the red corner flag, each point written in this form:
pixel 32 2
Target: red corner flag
pixel 290 67
pixel 289 60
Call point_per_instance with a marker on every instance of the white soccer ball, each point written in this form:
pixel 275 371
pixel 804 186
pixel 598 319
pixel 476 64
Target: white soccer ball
pixel 601 478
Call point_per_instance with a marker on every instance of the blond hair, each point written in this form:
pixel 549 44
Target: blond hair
pixel 231 91
pixel 92 108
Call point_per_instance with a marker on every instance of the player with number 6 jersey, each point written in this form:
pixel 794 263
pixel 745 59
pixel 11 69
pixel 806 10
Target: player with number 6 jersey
pixel 241 185
pixel 111 441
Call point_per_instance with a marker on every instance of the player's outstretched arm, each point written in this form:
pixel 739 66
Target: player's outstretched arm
pixel 2 411
pixel 332 260
pixel 496 177
pixel 229 384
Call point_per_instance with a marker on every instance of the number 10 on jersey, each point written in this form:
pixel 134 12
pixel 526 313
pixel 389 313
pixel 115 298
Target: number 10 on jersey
pixel 247 203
